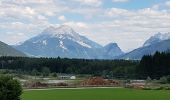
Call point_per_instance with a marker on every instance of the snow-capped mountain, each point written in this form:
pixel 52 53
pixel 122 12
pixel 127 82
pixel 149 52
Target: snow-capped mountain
pixel 157 38
pixel 62 41
pixel 163 46
pixel 159 42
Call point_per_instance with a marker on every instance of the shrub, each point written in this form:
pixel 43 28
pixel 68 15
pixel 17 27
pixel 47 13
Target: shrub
pixel 163 80
pixel 10 89
pixel 159 88
pixel 167 88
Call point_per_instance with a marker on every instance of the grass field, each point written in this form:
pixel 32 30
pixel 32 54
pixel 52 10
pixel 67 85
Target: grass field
pixel 96 94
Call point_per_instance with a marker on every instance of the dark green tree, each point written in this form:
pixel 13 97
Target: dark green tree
pixel 45 71
pixel 154 66
pixel 10 89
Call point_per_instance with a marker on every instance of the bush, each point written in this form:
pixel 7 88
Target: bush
pixel 45 71
pixel 167 88
pixel 159 88
pixel 54 75
pixel 10 89
pixel 163 80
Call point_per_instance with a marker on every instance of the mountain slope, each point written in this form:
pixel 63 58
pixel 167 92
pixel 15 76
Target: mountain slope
pixel 151 49
pixel 111 51
pixel 62 41
pixel 6 50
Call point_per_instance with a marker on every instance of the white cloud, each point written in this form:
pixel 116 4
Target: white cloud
pixel 30 1
pixel 77 25
pixel 117 12
pixel 17 26
pixel 120 0
pixel 163 4
pixel 62 18
pixel 27 18
pixel 41 17
pixel 12 11
pixel 167 3
pixel 29 10
pixel 82 25
pixel 156 6
pixel 12 38
pixel 90 2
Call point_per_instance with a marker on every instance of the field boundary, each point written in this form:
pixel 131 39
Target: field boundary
pixel 70 88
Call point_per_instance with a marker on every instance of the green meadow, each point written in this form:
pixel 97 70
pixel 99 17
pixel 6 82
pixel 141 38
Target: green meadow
pixel 96 94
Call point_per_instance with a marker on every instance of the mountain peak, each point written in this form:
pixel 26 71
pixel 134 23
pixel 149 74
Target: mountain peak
pixel 112 44
pixel 112 49
pixel 63 29
pixel 162 36
pixel 157 38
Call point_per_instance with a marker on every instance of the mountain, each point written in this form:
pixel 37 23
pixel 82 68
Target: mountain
pixel 157 38
pixel 168 51
pixel 111 51
pixel 161 46
pixel 62 41
pixel 6 50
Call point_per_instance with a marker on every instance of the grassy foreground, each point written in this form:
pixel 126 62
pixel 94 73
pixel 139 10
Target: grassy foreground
pixel 96 94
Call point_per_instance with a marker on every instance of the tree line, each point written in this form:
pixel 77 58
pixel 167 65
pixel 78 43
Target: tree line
pixel 106 68
pixel 154 66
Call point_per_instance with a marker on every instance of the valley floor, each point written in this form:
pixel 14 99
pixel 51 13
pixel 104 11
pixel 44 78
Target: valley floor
pixel 96 94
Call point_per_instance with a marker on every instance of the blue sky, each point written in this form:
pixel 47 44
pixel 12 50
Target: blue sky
pixel 132 4
pixel 126 22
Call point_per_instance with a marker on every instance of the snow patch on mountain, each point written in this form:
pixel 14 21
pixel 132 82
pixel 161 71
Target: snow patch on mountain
pixel 84 44
pixel 35 41
pixel 44 42
pixel 157 38
pixel 62 45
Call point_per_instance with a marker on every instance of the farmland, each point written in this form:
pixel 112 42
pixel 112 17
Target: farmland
pixel 96 94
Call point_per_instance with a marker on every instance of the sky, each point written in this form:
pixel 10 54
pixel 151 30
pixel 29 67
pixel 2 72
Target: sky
pixel 129 23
